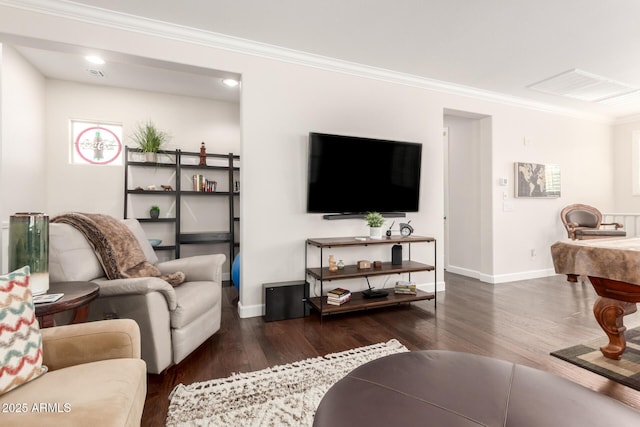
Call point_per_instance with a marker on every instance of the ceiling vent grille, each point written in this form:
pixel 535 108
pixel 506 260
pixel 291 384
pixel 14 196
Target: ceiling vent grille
pixel 584 86
pixel 96 73
pixel 631 98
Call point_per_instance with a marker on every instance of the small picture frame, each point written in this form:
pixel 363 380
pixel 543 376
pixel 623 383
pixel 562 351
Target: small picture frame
pixel 536 180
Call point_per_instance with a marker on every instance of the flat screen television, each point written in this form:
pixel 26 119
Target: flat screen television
pixel 357 175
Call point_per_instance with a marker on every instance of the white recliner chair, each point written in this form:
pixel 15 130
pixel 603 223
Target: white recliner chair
pixel 173 321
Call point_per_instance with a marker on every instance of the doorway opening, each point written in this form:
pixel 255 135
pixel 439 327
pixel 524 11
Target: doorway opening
pixel 468 228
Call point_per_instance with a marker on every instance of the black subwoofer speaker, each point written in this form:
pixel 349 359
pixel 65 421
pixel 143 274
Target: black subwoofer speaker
pixel 286 300
pixel 396 254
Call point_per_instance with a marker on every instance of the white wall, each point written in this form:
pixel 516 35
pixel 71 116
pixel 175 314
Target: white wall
pixel 282 102
pixel 22 143
pixel 583 149
pixel 99 189
pixel 522 226
pixel 278 113
pixel 625 201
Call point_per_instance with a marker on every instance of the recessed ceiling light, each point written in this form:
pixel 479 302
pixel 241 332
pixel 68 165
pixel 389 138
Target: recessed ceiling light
pixel 230 82
pixel 94 59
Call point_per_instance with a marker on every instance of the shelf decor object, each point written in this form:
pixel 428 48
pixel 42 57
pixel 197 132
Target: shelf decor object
pixel 150 140
pixel 203 155
pixel 154 242
pixel 29 245
pixel 374 221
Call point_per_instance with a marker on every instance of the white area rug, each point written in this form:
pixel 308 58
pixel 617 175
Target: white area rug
pixel 285 395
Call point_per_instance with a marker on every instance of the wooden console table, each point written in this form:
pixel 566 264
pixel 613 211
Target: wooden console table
pixel 77 296
pixel 611 266
pixel 358 301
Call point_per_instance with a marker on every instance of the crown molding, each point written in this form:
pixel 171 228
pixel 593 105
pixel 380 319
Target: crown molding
pixel 627 119
pixel 127 22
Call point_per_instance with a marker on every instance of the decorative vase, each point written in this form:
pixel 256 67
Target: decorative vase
pixel 151 157
pixel 29 245
pixel 154 213
pixel 375 233
pixel 198 182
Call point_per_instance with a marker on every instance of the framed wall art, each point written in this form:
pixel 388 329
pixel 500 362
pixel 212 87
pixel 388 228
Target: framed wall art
pixel 537 180
pixel 96 143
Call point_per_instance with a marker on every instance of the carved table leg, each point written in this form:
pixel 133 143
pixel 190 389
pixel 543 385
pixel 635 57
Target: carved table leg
pixel 47 321
pixel 609 313
pixel 81 314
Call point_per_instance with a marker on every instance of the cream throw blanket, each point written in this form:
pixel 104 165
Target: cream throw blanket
pixel 116 247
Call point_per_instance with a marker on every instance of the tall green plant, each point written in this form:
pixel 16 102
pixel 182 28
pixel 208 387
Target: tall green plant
pixel 149 138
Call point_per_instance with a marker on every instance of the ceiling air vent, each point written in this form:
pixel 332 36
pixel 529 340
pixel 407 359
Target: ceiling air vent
pixel 96 73
pixel 631 98
pixel 581 85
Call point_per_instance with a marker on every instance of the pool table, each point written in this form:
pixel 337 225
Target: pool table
pixel 613 268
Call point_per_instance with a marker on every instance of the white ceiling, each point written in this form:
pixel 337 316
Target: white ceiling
pixel 498 46
pixel 68 63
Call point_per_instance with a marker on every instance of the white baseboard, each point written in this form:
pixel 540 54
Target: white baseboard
pixel 524 275
pixel 250 310
pixel 502 278
pixel 464 272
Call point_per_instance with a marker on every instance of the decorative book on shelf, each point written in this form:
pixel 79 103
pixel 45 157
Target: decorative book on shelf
pixel 338 292
pixel 404 287
pixel 338 296
pixel 339 301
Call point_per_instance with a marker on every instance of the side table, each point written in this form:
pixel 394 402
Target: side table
pixel 77 296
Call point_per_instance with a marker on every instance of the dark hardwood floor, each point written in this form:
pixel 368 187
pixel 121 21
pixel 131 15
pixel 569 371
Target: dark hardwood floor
pixel 521 322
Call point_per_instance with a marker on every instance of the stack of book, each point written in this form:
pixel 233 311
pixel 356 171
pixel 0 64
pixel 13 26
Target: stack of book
pixel 338 296
pixel 406 288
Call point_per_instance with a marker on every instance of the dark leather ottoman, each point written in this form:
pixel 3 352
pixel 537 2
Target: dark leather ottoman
pixel 443 388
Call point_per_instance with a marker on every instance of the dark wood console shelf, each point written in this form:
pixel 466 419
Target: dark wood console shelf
pixel 330 242
pixel 358 301
pixel 352 271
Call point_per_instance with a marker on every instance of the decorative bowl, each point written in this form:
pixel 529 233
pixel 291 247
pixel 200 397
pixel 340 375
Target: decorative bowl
pixel 155 242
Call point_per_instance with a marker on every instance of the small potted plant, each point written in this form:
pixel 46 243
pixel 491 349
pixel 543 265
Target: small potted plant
pixel 149 139
pixel 374 221
pixel 154 212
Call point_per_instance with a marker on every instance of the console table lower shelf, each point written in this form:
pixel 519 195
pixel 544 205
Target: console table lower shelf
pixel 359 302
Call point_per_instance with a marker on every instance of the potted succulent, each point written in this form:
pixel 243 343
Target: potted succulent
pixel 149 139
pixel 154 212
pixel 374 221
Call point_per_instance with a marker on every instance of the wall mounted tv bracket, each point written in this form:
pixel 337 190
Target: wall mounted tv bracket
pixel 349 215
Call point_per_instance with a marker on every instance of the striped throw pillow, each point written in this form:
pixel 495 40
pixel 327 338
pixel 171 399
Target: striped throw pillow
pixel 20 339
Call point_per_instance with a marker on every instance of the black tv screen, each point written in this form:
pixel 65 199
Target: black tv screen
pixel 357 175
